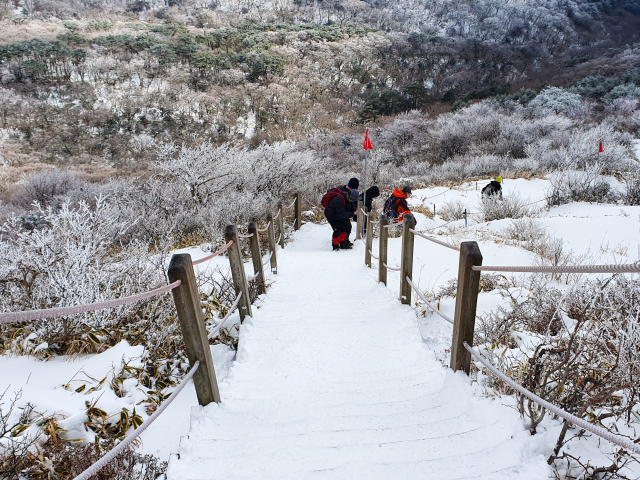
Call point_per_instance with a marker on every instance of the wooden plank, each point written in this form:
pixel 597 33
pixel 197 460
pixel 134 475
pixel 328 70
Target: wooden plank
pixel 406 267
pixel 466 303
pixel 194 333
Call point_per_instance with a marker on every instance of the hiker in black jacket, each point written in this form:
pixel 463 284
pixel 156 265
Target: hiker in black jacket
pixel 372 192
pixel 339 211
pixel 494 188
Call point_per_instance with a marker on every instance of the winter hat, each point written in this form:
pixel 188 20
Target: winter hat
pixel 353 184
pixel 406 189
pixel 373 192
pixel 499 179
pixel 354 196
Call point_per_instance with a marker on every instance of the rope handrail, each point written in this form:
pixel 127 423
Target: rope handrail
pixel 393 269
pixel 28 315
pixel 214 254
pixel 577 421
pixel 268 257
pixel 277 214
pixel 622 268
pixel 253 277
pixel 218 327
pixel 294 202
pixel 371 253
pixel 439 242
pixel 279 238
pixel 422 297
pixel 262 230
pixel 93 469
pixel 245 236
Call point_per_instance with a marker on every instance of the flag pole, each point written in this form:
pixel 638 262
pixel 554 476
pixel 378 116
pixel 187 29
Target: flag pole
pixel 364 188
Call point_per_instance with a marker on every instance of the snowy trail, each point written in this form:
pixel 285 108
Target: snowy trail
pixel 332 380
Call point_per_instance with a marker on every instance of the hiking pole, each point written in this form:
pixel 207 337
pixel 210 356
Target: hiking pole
pixel 465 217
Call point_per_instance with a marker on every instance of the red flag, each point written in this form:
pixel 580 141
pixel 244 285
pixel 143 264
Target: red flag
pixel 367 142
pixel 601 150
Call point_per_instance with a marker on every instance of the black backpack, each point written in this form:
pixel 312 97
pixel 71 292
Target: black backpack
pixel 390 207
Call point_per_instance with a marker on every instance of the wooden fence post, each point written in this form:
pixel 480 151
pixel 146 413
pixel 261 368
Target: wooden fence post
pixel 281 224
pixel 271 238
pixel 256 256
pixel 194 333
pixel 298 209
pixel 237 271
pixel 369 239
pixel 359 222
pixel 406 267
pixel 466 302
pixel 382 248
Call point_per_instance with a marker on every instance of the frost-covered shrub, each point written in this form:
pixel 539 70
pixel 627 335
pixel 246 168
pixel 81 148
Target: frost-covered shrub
pixel 75 257
pixel 586 185
pixel 578 349
pixel 512 206
pixel 631 195
pixel 47 188
pixel 452 210
pixel 556 100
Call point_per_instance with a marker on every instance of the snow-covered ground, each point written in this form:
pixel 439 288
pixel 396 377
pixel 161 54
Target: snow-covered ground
pixel 328 364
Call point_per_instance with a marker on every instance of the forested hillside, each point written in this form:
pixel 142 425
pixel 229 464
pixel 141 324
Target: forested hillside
pixel 99 83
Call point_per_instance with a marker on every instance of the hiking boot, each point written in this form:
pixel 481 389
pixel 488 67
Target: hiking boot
pixel 336 247
pixel 346 245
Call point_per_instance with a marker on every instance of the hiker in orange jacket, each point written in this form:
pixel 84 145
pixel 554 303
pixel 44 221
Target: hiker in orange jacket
pixel 396 205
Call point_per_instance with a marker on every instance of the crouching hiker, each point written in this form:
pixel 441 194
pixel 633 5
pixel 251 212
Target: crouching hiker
pixel 340 203
pixel 372 192
pixel 494 188
pixel 396 205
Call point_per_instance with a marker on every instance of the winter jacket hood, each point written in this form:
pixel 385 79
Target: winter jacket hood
pixel 399 193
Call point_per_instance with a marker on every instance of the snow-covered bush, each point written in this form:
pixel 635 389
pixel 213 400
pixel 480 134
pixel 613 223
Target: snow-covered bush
pixel 556 100
pixel 452 210
pixel 578 349
pixel 579 185
pixel 512 206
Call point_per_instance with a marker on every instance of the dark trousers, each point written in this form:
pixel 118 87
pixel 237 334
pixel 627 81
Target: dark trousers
pixel 341 229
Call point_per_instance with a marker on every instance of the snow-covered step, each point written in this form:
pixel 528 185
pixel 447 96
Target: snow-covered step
pixel 333 381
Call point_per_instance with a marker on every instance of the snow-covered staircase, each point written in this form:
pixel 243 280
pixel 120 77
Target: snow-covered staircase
pixel 332 380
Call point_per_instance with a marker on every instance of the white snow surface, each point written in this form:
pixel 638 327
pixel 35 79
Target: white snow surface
pixel 332 379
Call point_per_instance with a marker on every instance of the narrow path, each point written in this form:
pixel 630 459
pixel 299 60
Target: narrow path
pixel 332 380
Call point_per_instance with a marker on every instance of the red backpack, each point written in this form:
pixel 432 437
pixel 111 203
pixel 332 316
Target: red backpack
pixel 330 195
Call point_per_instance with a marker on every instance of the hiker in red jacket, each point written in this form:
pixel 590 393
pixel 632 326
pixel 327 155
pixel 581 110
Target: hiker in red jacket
pixel 340 203
pixel 396 205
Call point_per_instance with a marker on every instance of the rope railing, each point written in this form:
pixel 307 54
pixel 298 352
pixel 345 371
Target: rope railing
pixel 622 268
pixel 245 236
pixel 577 421
pixel 393 269
pixel 253 277
pixel 439 242
pixel 29 315
pixel 93 469
pixel 262 230
pixel 277 214
pixel 422 297
pixel 267 259
pixel 291 206
pixel 279 238
pixel 213 255
pixel 218 327
pixel 371 253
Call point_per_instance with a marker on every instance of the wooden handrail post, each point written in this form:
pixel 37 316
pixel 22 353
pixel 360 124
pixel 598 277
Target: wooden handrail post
pixel 406 268
pixel 382 248
pixel 194 333
pixel 359 217
pixel 256 256
pixel 271 238
pixel 466 302
pixel 369 240
pixel 281 224
pixel 237 271
pixel 298 209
